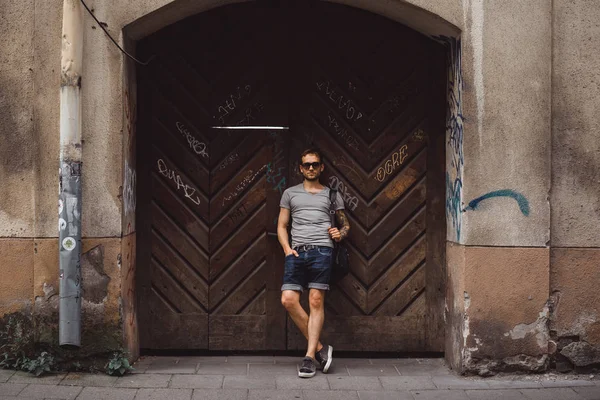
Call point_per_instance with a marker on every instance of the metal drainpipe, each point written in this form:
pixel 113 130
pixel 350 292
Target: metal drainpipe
pixel 69 203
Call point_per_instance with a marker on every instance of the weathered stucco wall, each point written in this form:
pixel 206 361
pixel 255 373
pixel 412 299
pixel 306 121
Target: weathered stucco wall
pixel 498 161
pixel 576 124
pixel 46 78
pixel 575 196
pixel 506 69
pixel 17 140
pixel 513 78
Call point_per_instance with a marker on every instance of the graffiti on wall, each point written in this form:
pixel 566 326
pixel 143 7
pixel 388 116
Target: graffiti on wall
pixel 454 136
pixel 345 105
pixel 395 160
pixel 275 170
pixel 337 184
pixel 171 174
pixel 129 173
pixel 250 114
pixel 229 105
pixel 248 179
pixel 129 190
pixel 519 198
pixel 196 145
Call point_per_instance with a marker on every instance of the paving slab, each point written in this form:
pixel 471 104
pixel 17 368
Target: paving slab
pixel 196 382
pixel 247 382
pixel 220 394
pixel 407 382
pixel 5 375
pixel 420 361
pixel 329 395
pixel 164 394
pixel 372 370
pixel 497 394
pixel 318 382
pixel 353 361
pixel 422 370
pixel 17 398
pixel 143 381
pixel 11 389
pixel 142 364
pixel 251 359
pixel 97 393
pixel 272 369
pixel 210 359
pixel 457 382
pixel 25 377
pixel 551 393
pixel 354 383
pixel 376 361
pixel 588 392
pixel 271 394
pixel 337 370
pixel 222 369
pixel 51 392
pixel 566 383
pixel 288 360
pixel 173 366
pixel 512 384
pixel 380 395
pixel 442 394
pixel 97 380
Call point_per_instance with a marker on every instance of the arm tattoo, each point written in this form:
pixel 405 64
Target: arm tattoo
pixel 343 222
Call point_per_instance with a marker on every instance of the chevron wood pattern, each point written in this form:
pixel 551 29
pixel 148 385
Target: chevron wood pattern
pixel 355 85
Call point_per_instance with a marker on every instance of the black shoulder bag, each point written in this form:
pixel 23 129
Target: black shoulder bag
pixel 339 261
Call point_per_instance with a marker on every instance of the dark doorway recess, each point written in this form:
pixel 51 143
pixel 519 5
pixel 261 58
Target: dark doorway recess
pixel 369 93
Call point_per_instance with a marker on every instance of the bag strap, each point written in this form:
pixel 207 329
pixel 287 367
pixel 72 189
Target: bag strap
pixel 332 204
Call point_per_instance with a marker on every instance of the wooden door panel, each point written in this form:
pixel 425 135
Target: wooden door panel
pixel 238 268
pixel 229 195
pixel 180 212
pixel 357 86
pixel 166 285
pixel 166 169
pixel 183 245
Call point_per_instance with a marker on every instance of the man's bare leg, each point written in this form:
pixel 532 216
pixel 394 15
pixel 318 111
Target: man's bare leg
pixel 316 300
pixel 291 301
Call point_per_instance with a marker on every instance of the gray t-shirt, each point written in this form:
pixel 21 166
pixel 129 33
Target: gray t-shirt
pixel 310 215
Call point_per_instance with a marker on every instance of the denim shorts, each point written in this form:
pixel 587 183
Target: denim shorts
pixel 311 269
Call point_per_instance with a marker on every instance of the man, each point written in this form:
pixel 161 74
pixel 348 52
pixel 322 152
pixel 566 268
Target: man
pixel 308 259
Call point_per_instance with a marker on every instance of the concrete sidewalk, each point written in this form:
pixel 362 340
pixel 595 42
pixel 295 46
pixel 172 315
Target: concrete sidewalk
pixel 264 377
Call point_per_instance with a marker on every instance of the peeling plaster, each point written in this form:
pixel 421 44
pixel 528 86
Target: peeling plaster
pixel 466 351
pixel 539 328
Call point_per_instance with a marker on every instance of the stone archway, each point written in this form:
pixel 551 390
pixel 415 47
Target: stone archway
pixel 425 20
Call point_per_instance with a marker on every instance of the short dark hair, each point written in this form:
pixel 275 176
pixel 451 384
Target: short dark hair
pixel 313 151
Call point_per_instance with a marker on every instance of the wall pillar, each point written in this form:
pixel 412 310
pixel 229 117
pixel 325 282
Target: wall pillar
pixel 498 210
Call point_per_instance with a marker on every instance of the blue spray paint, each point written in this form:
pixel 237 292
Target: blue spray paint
pixel 454 134
pixel 521 200
pixel 453 203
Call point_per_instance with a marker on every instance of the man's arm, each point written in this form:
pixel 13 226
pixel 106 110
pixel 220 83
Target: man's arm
pixel 342 221
pixel 282 232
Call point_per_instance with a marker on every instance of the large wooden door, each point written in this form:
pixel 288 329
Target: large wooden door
pixel 363 89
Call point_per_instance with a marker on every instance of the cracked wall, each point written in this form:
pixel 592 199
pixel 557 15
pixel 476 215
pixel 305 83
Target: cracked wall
pixel 502 307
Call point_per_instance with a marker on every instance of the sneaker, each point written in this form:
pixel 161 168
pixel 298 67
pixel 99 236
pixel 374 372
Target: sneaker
pixel 325 357
pixel 308 368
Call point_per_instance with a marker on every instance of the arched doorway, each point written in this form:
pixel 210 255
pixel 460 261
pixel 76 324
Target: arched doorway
pixel 365 90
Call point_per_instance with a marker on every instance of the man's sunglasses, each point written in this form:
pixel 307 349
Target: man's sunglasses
pixel 307 165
